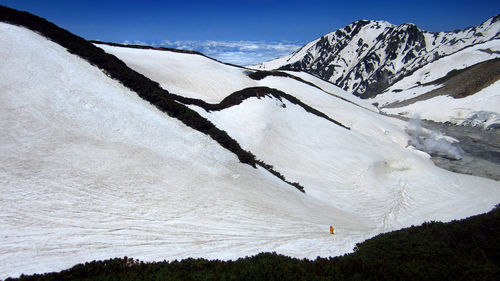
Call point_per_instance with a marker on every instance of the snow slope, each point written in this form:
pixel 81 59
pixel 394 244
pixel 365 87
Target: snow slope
pixel 379 181
pixel 210 80
pixel 480 109
pixel 330 88
pixel 199 77
pixel 91 171
pixel 368 171
pixel 348 109
pixel 437 69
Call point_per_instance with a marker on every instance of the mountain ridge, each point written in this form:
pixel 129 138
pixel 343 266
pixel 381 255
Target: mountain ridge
pixel 366 57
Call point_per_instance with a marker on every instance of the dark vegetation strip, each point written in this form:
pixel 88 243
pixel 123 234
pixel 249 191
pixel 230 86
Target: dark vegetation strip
pixel 261 74
pixel 468 249
pixel 239 96
pixel 143 86
pixel 490 51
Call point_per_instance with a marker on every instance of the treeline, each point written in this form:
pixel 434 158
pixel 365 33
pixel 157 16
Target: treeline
pixel 468 249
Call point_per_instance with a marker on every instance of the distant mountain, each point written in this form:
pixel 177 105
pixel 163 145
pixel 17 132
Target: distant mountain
pixel 367 57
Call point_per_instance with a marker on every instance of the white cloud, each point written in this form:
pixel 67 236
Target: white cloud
pixel 236 52
pixel 136 42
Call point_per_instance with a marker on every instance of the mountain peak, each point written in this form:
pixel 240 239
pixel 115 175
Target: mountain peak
pixel 367 56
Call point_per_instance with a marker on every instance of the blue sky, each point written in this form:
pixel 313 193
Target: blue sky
pixel 247 31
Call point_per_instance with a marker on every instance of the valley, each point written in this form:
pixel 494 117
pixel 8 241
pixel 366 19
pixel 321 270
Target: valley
pixel 481 152
pixel 112 150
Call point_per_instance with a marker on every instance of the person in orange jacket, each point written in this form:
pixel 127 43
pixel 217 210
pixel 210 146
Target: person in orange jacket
pixel 331 229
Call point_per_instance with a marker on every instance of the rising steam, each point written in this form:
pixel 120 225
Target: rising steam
pixel 432 142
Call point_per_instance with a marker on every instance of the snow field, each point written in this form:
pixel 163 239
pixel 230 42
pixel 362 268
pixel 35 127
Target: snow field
pixel 368 171
pixel 91 171
pixel 347 113
pixel 359 119
pixel 381 182
pixel 410 87
pixel 331 89
pixel 444 108
pixel 189 75
pixel 449 109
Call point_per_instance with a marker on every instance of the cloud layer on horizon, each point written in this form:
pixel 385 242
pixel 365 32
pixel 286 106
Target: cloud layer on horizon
pixel 235 52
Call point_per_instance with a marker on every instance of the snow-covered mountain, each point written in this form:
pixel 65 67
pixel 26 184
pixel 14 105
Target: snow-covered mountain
pixel 366 57
pixel 99 161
